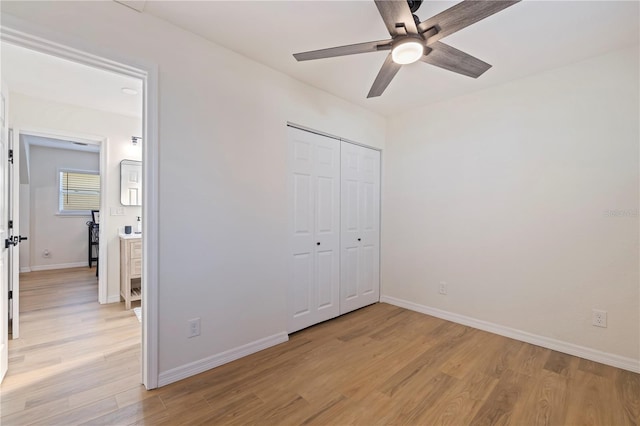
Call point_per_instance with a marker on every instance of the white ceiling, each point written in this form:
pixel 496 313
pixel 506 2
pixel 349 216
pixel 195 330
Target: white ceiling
pixel 524 39
pixel 527 38
pixel 48 77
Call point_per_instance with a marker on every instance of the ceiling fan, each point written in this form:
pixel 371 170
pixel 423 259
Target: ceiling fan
pixel 412 40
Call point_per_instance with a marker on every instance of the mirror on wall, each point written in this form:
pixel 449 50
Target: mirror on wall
pixel 131 183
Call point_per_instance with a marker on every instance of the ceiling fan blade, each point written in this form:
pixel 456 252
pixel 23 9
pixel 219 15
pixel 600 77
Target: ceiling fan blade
pixel 447 57
pixel 396 15
pixel 461 16
pixel 387 72
pixel 352 49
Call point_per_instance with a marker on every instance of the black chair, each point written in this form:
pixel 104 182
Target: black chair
pixel 93 244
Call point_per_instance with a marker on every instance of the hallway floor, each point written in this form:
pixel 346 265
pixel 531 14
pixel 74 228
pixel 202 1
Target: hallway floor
pixel 72 351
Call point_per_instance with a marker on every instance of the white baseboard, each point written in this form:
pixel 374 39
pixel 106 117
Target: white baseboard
pixel 58 266
pixel 546 342
pixel 25 269
pixel 208 363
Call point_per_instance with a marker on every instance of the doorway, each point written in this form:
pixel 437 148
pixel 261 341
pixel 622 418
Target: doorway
pixel 147 77
pixel 55 182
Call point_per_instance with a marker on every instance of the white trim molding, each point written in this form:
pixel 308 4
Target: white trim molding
pixel 545 342
pixel 56 266
pixel 196 367
pixel 151 231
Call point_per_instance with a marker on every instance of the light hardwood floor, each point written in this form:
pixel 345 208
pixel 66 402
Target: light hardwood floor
pixel 378 365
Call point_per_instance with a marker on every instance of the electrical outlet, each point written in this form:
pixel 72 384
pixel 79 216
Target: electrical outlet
pixel 599 318
pixel 194 327
pixel 443 288
pixel 117 211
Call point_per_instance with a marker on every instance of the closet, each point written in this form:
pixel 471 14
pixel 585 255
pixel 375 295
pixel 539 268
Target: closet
pixel 334 226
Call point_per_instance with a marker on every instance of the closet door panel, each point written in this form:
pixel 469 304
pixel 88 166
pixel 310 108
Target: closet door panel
pixel 327 227
pixel 349 282
pixel 368 264
pixel 302 204
pixel 314 187
pixel 370 220
pixel 350 205
pixel 360 210
pixel 302 201
pixel 325 274
pixel 303 275
pixel 325 223
pixel 302 195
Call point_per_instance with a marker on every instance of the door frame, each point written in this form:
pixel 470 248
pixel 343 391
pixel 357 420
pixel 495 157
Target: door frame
pixel 27 35
pixel 102 142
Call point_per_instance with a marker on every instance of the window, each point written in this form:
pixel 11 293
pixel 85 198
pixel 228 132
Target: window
pixel 79 192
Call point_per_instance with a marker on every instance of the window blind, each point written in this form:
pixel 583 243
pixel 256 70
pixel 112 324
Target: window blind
pixel 79 191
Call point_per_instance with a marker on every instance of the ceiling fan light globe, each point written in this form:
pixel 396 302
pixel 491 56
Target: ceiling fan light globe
pixel 407 52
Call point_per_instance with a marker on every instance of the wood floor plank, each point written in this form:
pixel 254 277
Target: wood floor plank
pixel 499 407
pixel 597 368
pixel 83 413
pixel 462 401
pixel 590 401
pixel 530 359
pixel 418 401
pixel 462 360
pixel 372 376
pixel 78 362
pixel 545 402
pixel 627 386
pixel 503 357
pixel 129 414
pixel 562 364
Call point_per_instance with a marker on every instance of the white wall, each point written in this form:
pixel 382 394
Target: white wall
pixel 222 171
pixel 29 113
pixel 505 195
pixel 65 237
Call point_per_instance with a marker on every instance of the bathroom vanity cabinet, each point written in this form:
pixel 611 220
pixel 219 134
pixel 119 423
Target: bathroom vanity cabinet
pixel 130 268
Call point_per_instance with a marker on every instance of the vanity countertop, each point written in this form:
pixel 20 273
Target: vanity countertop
pixel 130 236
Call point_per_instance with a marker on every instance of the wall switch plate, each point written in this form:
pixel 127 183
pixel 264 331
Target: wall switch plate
pixel 117 211
pixel 194 327
pixel 599 318
pixel 443 288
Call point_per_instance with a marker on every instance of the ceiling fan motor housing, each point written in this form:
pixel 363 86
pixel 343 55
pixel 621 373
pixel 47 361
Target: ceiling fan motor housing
pixel 414 5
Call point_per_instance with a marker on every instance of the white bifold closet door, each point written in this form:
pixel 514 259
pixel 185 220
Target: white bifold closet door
pixel 314 226
pixel 360 227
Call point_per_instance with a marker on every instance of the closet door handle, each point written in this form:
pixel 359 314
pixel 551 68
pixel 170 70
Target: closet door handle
pixel 318 243
pixel 359 239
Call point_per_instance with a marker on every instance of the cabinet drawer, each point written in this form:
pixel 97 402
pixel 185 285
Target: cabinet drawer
pixel 135 268
pixel 136 250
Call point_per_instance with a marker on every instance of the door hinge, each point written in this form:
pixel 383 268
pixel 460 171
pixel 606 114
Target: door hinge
pixel 11 156
pixel 11 224
pixel 10 294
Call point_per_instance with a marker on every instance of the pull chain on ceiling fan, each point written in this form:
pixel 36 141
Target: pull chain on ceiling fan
pixel 412 40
